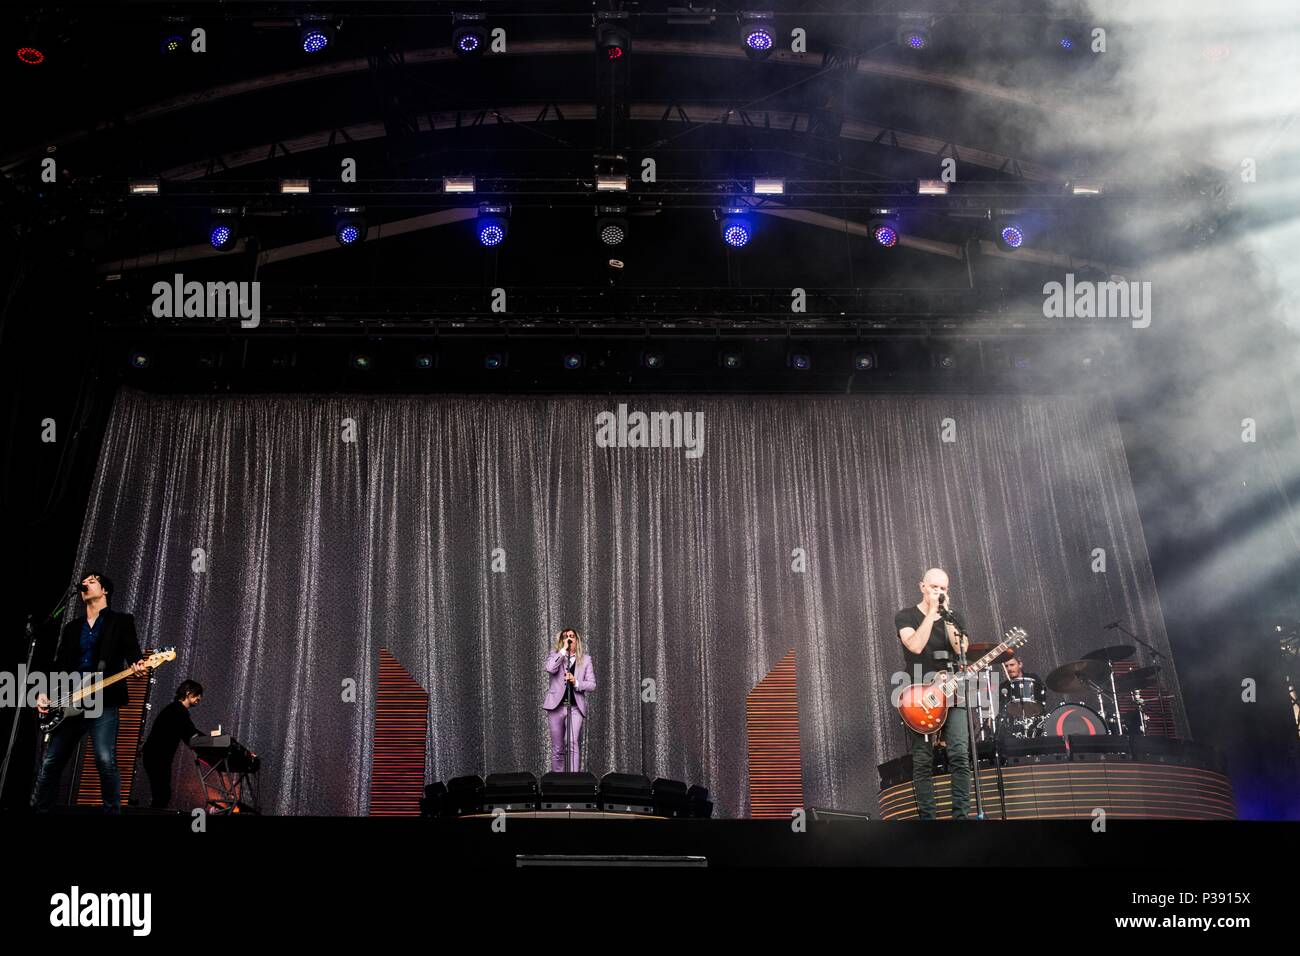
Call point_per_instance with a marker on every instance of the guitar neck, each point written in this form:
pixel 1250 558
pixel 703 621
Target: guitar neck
pixel 101 684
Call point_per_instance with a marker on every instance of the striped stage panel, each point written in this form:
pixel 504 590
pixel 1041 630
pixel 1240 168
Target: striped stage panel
pixel 1054 789
pixel 772 724
pixel 401 732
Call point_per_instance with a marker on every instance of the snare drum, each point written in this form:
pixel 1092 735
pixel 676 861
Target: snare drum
pixel 1070 719
pixel 1023 697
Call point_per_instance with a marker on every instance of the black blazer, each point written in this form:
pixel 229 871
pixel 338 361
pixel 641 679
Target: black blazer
pixel 118 649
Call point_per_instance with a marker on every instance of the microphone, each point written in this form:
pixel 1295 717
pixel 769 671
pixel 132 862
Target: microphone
pixel 82 588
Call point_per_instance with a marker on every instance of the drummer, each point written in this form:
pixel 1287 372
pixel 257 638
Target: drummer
pixel 1014 669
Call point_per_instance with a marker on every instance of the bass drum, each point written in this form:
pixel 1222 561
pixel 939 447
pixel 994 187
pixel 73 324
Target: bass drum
pixel 1067 720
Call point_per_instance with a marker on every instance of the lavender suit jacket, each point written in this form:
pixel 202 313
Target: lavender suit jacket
pixel 584 680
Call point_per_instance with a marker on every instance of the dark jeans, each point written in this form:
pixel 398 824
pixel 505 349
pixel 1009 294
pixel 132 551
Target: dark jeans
pixel 63 744
pixel 956 735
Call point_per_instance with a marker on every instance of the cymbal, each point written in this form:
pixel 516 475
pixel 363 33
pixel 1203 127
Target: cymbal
pixel 1074 677
pixel 1116 652
pixel 1134 679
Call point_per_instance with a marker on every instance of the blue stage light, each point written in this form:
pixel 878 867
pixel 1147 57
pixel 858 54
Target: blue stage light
pixel 221 236
pixel 759 38
pixel 490 233
pixel 886 236
pixel 314 40
pixel 1012 236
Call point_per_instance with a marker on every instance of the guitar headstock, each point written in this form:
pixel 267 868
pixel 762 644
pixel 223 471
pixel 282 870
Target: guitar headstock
pixel 1015 637
pixel 160 656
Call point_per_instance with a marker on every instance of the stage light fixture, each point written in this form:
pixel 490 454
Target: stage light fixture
pixel 30 55
pixel 223 229
pixel 652 360
pixel 469 33
pixel 864 361
pixel 611 173
pixel 140 360
pixel 799 361
pixel 173 44
pixel 316 35
pixel 757 36
pixel 295 187
pixel 947 360
pixel 493 224
pixel 360 361
pixel 769 187
pixel 736 226
pixel 572 361
pixel 611 225
pixel 1009 232
pixel 884 231
pixel 425 360
pixel 494 360
pixel 613 39
pixel 1086 187
pixel 931 187
pixel 730 360
pixel 349 225
pixel 458 184
pixel 914 32
pixel 143 187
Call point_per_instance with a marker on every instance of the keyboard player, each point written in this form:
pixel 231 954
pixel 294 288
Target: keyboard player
pixel 171 728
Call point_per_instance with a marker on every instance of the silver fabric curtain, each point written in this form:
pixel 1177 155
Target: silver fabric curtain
pixel 280 541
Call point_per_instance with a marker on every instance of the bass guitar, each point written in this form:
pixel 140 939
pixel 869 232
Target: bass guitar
pixel 60 710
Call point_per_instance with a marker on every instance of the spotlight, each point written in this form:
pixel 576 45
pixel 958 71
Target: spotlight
pixel 613 41
pixel 736 227
pixel 652 360
pixel 884 231
pixel 492 224
pixel 1009 232
pixel 914 32
pixel 425 360
pixel 756 35
pixel 172 44
pixel 469 33
pixel 931 187
pixel 30 55
pixel 800 361
pixel 769 187
pixel 611 225
pixel 139 360
pixel 295 187
pixel 947 360
pixel 572 360
pixel 142 187
pixel 223 230
pixel 864 361
pixel 458 184
pixel 494 360
pixel 349 225
pixel 730 360
pixel 360 361
pixel 611 173
pixel 316 35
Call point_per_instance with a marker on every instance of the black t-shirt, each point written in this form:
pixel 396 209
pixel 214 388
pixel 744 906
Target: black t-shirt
pixel 171 728
pixel 913 617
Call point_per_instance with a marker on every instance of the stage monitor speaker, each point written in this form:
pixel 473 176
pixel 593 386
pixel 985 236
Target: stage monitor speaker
pixel 701 805
pixel 569 791
pixel 434 803
pixel 464 795
pixel 510 791
pixel 669 798
pixel 1094 748
pixel 626 793
pixel 1034 750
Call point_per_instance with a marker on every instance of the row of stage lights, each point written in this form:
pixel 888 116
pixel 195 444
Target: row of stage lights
pixel 471 36
pixel 736 228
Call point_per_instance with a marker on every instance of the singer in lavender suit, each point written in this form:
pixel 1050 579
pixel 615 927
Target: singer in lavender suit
pixel 572 678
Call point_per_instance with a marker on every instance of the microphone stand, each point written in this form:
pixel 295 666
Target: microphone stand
pixel 32 638
pixel 972 747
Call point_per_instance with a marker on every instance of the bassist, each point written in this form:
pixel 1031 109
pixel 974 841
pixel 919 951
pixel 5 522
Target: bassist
pixel 104 641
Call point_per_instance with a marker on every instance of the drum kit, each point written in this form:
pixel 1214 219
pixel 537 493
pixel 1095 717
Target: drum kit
pixel 1024 711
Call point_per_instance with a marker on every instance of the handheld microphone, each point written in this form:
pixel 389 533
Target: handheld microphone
pixel 82 588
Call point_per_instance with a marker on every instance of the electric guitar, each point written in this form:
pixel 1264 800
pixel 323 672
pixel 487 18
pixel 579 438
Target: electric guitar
pixel 60 710
pixel 924 707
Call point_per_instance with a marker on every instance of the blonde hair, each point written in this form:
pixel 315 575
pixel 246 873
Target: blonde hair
pixel 578 648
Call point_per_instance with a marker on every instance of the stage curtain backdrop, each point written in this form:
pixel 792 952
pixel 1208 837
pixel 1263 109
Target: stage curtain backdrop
pixel 280 541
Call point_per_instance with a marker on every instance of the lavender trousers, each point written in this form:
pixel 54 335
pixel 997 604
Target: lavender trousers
pixel 556 719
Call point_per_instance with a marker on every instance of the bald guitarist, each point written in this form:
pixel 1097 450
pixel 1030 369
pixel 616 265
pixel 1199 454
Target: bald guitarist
pixel 924 635
pixel 103 641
